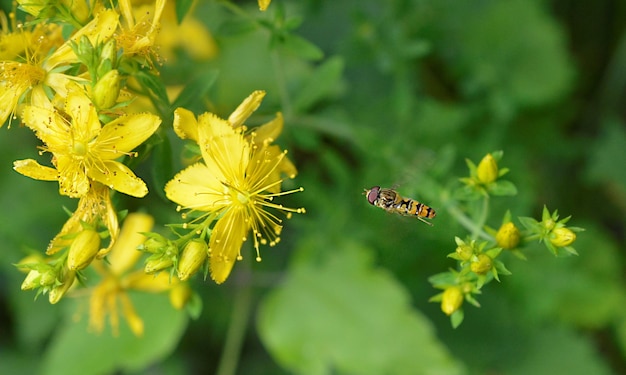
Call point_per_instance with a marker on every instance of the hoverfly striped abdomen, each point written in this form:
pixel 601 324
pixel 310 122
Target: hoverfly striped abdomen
pixel 390 201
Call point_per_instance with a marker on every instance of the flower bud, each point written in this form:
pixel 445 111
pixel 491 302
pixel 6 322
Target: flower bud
pixel 487 170
pixel 83 249
pixel 451 300
pixel 562 237
pixel 482 265
pixel 158 264
pixel 508 236
pixel 464 251
pixel 180 295
pixel 107 90
pixel 155 244
pixel 193 256
pixel 58 292
pixel 109 52
pixel 32 280
pixel 48 277
pixel 78 9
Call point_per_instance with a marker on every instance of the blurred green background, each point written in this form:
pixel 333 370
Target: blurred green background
pixel 377 93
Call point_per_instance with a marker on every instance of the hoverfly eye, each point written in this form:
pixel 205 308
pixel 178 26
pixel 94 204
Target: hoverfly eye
pixel 372 194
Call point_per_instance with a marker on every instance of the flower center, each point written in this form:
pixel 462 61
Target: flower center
pixel 242 198
pixel 79 149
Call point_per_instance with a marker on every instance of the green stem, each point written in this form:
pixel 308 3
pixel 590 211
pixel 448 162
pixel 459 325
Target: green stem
pixel 481 218
pixel 281 83
pixel 242 307
pixel 468 223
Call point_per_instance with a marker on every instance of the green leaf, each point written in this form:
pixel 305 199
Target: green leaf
pixel 323 83
pixel 182 8
pixel 555 350
pixel 301 47
pixel 76 351
pixel 162 168
pixel 341 315
pixel 196 90
pixel 457 318
pixel 502 188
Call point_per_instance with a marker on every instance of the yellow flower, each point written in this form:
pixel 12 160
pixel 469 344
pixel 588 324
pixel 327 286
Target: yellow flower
pixel 138 34
pixel 263 4
pixel 27 80
pixel 236 183
pixel 83 150
pixel 118 279
pixel 94 208
pixel 175 35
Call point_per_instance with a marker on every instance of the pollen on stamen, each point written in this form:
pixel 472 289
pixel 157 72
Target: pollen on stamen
pixel 258 259
pixel 178 208
pixel 185 225
pixel 239 257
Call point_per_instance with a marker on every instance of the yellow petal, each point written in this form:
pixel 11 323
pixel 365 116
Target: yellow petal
pixel 124 134
pixel 149 283
pixel 73 181
pixel 51 128
pixel 85 122
pixel 99 30
pixel 119 177
pixel 225 151
pixel 185 124
pixel 30 168
pixel 226 239
pixel 245 109
pixel 124 253
pixel 128 311
pixel 263 4
pixel 269 131
pixel 196 187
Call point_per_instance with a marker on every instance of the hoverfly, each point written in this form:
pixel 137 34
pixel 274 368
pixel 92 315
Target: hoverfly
pixel 390 201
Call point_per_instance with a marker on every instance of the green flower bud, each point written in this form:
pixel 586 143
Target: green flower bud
pixel 158 264
pixel 562 237
pixel 109 52
pixel 482 265
pixel 193 256
pixel 32 280
pixel 83 249
pixel 487 170
pixel 48 277
pixel 58 292
pixel 508 236
pixel 465 252
pixel 107 90
pixel 155 244
pixel 451 300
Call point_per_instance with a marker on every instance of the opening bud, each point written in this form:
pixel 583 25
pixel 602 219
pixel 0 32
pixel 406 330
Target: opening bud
pixel 562 237
pixel 451 300
pixel 508 236
pixel 487 169
pixel 193 256
pixel 107 90
pixel 482 265
pixel 83 249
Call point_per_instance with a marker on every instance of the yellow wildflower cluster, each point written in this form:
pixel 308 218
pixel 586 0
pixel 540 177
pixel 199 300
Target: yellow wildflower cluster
pixel 76 93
